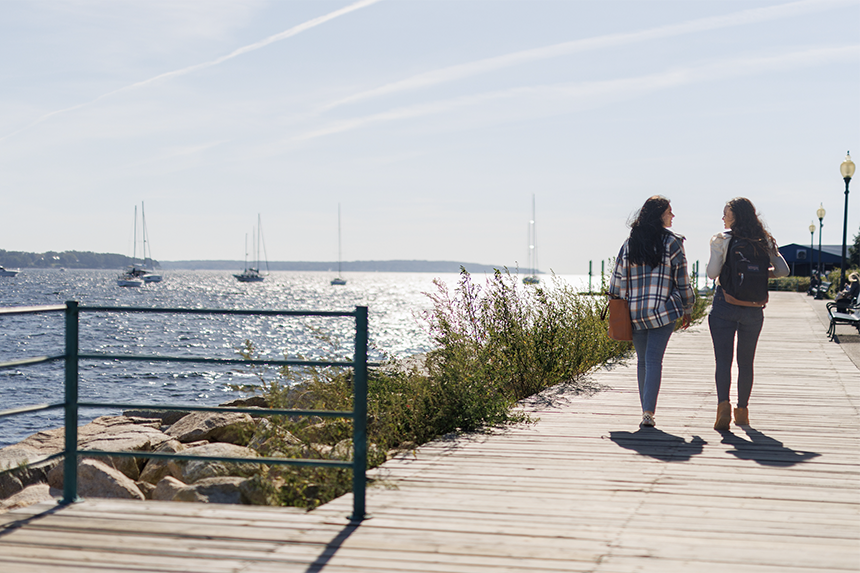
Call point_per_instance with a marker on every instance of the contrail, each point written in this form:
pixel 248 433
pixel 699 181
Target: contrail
pixel 235 53
pixel 571 95
pixel 457 72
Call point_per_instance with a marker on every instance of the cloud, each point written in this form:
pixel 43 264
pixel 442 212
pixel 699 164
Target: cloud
pixel 564 98
pixel 190 69
pixel 487 65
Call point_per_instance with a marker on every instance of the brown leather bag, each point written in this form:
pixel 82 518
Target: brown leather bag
pixel 620 326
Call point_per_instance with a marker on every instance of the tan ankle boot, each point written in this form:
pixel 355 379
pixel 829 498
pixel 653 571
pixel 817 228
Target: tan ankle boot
pixel 742 416
pixel 724 415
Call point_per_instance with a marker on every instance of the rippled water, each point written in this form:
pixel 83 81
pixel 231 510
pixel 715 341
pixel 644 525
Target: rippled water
pixel 395 301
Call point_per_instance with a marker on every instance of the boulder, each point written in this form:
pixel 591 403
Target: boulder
pixel 30 495
pixel 109 433
pixel 145 488
pixel 167 488
pixel 249 402
pixel 10 484
pixel 155 469
pixel 97 479
pixel 213 490
pixel 164 417
pixel 190 471
pixel 270 437
pixel 213 426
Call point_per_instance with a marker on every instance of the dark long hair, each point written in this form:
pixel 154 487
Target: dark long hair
pixel 645 246
pixel 747 224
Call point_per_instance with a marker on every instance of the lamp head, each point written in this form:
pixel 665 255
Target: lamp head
pixel 812 227
pixel 820 212
pixel 847 167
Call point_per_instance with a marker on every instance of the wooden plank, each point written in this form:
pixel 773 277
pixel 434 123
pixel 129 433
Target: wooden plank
pixel 579 489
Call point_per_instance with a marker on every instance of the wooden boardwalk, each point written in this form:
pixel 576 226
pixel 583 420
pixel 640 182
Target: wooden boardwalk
pixel 583 489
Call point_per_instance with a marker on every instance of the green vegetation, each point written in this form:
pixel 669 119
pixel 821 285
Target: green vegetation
pixel 495 344
pixel 66 259
pixel 793 284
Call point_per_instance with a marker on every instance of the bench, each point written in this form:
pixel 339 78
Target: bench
pixel 850 316
pixel 822 288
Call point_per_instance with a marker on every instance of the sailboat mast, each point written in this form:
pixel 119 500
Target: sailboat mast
pixel 532 262
pixel 258 241
pixel 143 224
pixel 134 239
pixel 534 238
pixel 338 240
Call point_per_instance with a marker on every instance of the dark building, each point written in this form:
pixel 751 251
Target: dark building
pixel 799 258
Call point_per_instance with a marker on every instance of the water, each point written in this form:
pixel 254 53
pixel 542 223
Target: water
pixel 395 302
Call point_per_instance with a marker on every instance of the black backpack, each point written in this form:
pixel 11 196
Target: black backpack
pixel 745 272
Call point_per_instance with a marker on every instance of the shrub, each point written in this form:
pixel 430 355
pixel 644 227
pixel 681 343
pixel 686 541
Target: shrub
pixel 793 284
pixel 495 344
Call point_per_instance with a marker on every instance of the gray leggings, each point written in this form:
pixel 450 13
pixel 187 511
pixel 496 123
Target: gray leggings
pixel 724 322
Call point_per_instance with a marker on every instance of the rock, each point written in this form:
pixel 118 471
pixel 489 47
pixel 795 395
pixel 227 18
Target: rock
pixel 269 437
pixel 145 488
pixel 165 417
pixel 96 479
pixel 167 488
pixel 213 490
pixel 155 469
pixel 10 484
pixel 217 427
pixel 249 402
pixel 30 495
pixel 260 490
pixel 193 470
pixel 109 433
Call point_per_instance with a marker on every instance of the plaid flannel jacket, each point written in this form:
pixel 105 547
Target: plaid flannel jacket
pixel 657 296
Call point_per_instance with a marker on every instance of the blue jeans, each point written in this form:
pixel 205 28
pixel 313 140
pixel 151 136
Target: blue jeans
pixel 650 345
pixel 725 321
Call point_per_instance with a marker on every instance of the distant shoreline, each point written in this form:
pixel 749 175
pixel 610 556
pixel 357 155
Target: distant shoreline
pixel 396 266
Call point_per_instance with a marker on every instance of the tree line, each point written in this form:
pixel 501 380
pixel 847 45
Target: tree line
pixel 65 259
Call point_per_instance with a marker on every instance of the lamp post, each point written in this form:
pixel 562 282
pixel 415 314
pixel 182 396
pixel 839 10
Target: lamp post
pixel 820 212
pixel 811 246
pixel 847 170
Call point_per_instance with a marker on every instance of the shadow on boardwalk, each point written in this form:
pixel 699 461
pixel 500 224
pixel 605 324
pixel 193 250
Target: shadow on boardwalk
pixel 659 445
pixel 764 450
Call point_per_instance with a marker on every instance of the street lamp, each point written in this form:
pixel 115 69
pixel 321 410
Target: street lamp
pixel 847 170
pixel 811 246
pixel 820 212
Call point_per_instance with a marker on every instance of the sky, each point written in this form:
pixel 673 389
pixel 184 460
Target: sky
pixel 431 122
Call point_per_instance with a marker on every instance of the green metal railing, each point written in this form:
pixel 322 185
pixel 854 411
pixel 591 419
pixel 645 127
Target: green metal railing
pixel 72 404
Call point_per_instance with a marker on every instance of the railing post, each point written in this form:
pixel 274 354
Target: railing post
pixel 70 462
pixel 359 418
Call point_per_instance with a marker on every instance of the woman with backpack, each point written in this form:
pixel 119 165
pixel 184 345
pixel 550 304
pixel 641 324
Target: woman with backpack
pixel 651 273
pixel 742 259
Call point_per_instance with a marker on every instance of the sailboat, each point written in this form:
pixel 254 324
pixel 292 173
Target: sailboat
pixel 339 280
pixel 532 279
pixel 149 276
pixel 131 276
pixel 252 274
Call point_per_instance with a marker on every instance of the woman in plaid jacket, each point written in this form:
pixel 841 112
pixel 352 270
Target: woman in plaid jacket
pixel 651 273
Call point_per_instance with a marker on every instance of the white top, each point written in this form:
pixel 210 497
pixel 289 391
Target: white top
pixel 719 247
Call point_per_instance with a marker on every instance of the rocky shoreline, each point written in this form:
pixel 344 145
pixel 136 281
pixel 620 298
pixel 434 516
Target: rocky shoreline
pixel 219 434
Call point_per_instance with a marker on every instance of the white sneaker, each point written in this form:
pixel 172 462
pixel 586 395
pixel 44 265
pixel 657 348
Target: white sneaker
pixel 647 420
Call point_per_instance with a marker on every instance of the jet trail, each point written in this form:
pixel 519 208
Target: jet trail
pixel 181 72
pixel 460 71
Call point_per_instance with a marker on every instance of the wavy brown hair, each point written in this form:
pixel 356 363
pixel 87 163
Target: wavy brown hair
pixel 747 224
pixel 645 246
